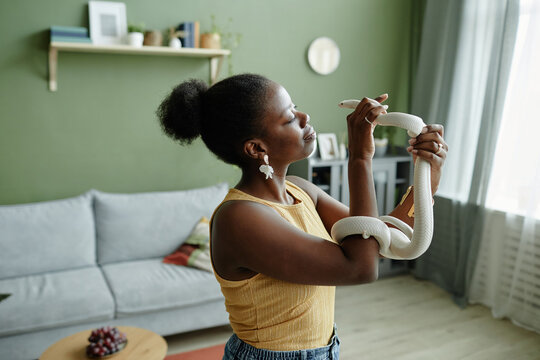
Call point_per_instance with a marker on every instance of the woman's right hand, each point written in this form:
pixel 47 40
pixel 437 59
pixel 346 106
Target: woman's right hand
pixel 361 144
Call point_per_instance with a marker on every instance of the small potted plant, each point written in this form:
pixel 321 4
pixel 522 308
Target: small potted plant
pixel 212 38
pixel 136 34
pixel 221 37
pixel 383 136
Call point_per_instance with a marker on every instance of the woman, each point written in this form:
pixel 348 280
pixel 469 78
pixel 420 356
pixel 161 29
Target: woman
pixel 270 244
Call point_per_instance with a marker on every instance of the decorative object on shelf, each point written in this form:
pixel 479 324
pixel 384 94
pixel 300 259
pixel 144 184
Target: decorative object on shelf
pixel 108 23
pixel 136 34
pixel 211 40
pixel 153 38
pixel 74 34
pixel 175 43
pixel 174 38
pixel 323 55
pixel 219 37
pixel 383 139
pixel 328 146
pixel 381 145
pixel 189 34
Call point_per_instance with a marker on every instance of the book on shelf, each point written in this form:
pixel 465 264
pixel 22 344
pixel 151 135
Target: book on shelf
pixel 71 39
pixel 72 30
pixel 190 36
pixel 197 33
pixel 70 34
pixel 185 28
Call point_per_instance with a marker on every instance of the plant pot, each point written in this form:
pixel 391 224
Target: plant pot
pixel 211 41
pixel 135 39
pixel 381 146
pixel 153 38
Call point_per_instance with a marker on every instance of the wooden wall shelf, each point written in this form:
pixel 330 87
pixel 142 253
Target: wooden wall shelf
pixel 216 56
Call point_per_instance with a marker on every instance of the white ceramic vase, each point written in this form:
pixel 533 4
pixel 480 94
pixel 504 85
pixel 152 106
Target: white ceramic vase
pixel 381 145
pixel 175 43
pixel 135 39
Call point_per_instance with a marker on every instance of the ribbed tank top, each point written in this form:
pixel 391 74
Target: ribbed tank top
pixel 277 315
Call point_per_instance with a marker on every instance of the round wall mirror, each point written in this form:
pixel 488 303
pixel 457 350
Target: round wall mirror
pixel 323 55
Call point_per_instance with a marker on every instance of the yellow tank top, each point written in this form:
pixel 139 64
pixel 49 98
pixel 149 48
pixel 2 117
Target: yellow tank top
pixel 277 315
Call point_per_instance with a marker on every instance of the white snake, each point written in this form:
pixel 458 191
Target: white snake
pixel 395 244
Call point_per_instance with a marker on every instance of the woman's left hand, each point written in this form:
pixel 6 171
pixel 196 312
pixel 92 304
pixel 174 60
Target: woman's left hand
pixel 430 146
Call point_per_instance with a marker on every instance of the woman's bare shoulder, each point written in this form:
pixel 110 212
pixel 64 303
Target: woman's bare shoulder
pixel 241 209
pixel 233 217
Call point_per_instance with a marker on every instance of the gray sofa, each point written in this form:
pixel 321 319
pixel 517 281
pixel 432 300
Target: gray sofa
pixel 95 260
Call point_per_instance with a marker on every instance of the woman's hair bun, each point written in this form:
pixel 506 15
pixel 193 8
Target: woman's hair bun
pixel 180 112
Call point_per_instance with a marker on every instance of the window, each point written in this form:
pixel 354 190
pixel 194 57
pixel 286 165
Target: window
pixel 514 185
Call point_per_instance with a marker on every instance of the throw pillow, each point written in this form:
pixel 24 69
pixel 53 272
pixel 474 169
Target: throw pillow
pixel 195 251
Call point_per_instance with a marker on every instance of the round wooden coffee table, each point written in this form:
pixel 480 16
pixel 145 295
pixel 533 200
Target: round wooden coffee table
pixel 142 344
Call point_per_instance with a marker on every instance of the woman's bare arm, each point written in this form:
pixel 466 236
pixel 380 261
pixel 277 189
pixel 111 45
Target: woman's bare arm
pixel 250 238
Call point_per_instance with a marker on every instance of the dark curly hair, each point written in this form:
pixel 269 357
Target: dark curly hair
pixel 224 115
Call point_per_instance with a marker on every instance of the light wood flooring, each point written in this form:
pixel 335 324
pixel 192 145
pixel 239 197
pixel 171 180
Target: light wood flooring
pixel 404 318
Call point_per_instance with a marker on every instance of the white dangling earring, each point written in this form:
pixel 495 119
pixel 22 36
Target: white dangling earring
pixel 266 169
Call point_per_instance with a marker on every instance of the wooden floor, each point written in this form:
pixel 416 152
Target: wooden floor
pixel 403 318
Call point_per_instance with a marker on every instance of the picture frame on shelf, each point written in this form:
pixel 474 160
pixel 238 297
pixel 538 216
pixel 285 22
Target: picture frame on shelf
pixel 328 146
pixel 108 22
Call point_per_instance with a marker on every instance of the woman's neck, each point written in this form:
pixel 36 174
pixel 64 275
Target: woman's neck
pixel 274 189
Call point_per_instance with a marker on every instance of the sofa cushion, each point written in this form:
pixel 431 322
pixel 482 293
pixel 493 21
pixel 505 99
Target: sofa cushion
pixel 195 251
pixel 54 299
pixel 149 225
pixel 47 236
pixel 149 285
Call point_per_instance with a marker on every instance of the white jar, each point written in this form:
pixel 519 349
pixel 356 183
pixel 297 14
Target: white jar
pixel 136 39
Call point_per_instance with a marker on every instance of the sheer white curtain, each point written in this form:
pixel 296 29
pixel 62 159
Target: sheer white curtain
pixel 507 273
pixel 479 75
pixel 515 180
pixel 463 70
pixel 478 86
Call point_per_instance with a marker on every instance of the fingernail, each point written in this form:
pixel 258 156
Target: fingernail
pixel 412 141
pixel 385 107
pixel 424 130
pixel 415 151
pixel 409 149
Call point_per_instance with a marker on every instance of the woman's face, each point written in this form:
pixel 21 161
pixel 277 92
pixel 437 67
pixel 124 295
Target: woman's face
pixel 288 135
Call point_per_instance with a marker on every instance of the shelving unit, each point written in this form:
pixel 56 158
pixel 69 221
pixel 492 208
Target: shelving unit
pixel 216 56
pixel 392 175
pixel 326 174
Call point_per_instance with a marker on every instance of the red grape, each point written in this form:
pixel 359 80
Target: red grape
pixel 105 341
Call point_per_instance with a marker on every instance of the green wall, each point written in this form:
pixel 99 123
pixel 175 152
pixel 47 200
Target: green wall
pixel 99 129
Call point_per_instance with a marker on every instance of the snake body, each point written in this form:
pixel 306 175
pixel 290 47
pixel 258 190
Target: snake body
pixel 405 243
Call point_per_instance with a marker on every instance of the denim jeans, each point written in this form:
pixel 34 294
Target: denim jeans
pixel 236 349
